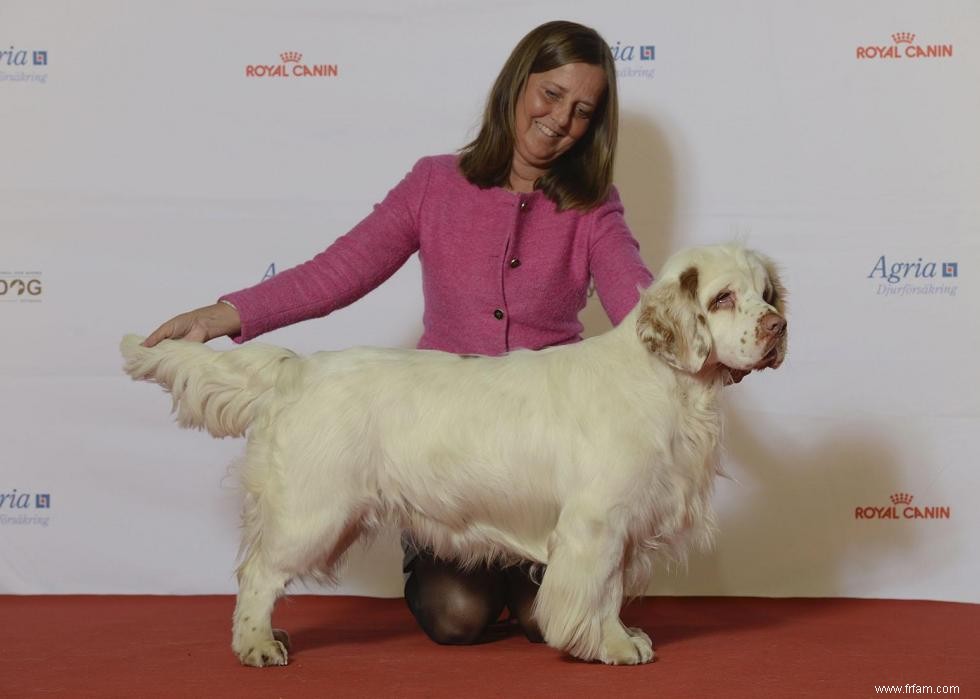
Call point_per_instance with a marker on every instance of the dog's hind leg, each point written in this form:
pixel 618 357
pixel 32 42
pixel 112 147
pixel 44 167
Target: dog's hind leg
pixel 277 552
pixel 581 594
pixel 260 584
pixel 305 504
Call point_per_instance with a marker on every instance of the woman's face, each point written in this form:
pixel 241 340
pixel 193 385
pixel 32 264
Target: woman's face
pixel 554 111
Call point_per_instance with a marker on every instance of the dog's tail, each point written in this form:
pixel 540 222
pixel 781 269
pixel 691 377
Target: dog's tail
pixel 216 391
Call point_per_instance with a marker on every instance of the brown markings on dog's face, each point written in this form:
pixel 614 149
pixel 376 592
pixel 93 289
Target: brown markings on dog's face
pixel 661 337
pixel 673 326
pixel 689 282
pixel 762 335
pixel 701 349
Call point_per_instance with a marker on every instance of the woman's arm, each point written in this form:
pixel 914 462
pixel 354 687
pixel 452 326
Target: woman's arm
pixel 353 265
pixel 617 269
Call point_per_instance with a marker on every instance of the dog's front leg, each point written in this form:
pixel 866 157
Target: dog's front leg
pixel 581 594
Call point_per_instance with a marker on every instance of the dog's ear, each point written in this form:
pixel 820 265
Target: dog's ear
pixel 672 325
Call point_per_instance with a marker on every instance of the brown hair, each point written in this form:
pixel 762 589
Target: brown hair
pixel 581 177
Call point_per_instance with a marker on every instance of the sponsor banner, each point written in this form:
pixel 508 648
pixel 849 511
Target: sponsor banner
pixel 291 65
pixel 901 507
pixel 21 287
pixel 22 508
pixel 634 60
pixel 152 174
pixel 919 277
pixel 903 47
pixel 20 65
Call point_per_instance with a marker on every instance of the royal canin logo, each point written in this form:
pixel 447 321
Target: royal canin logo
pixel 291 66
pixel 902 508
pixel 903 46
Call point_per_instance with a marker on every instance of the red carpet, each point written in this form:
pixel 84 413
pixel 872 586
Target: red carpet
pixel 358 647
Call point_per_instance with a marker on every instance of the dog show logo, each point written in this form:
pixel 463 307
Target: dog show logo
pixel 20 287
pixel 634 60
pixel 914 278
pixel 901 507
pixel 23 508
pixel 291 66
pixel 27 65
pixel 904 46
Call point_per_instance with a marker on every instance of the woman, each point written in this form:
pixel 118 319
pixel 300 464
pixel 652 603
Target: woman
pixel 509 234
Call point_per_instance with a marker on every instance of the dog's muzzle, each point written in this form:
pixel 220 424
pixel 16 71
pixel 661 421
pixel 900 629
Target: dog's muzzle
pixel 772 327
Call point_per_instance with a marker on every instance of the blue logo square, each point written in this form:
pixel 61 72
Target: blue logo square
pixel 647 53
pixel 950 269
pixel 40 58
pixel 42 501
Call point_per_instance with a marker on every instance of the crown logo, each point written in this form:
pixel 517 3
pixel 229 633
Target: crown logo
pixel 291 57
pixel 903 37
pixel 901 499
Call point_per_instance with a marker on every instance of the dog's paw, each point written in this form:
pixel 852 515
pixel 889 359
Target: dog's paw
pixel 264 653
pixel 283 637
pixel 627 649
pixel 634 631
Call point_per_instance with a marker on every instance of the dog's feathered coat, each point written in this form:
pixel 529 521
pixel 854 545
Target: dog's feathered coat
pixel 586 458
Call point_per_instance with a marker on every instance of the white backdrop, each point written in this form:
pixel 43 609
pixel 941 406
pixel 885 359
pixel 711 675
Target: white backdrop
pixel 145 172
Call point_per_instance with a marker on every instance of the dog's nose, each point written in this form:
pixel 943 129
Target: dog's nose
pixel 773 324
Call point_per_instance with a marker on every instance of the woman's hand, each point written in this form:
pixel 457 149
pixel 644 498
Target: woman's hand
pixel 199 325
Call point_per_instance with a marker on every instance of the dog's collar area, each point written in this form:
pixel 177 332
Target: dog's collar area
pixel 713 371
pixel 730 376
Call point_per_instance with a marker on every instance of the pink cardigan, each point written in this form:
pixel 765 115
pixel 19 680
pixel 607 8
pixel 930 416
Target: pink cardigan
pixel 500 271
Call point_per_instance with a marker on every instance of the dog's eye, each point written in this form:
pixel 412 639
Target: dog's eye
pixel 725 299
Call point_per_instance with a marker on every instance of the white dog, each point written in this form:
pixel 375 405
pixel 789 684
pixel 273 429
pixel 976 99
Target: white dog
pixel 586 458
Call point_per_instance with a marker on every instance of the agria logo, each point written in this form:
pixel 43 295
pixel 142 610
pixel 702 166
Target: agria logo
pixel 291 65
pixel 23 65
pixel 23 57
pixel 634 60
pixel 901 507
pixel 914 277
pixel 22 508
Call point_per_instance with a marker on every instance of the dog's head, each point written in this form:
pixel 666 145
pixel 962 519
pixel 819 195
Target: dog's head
pixel 718 306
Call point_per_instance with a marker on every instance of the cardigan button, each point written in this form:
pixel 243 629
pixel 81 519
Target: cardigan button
pixel 523 204
pixel 498 314
pixel 515 263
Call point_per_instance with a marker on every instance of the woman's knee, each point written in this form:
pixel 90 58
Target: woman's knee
pixel 460 618
pixel 454 607
pixel 521 591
